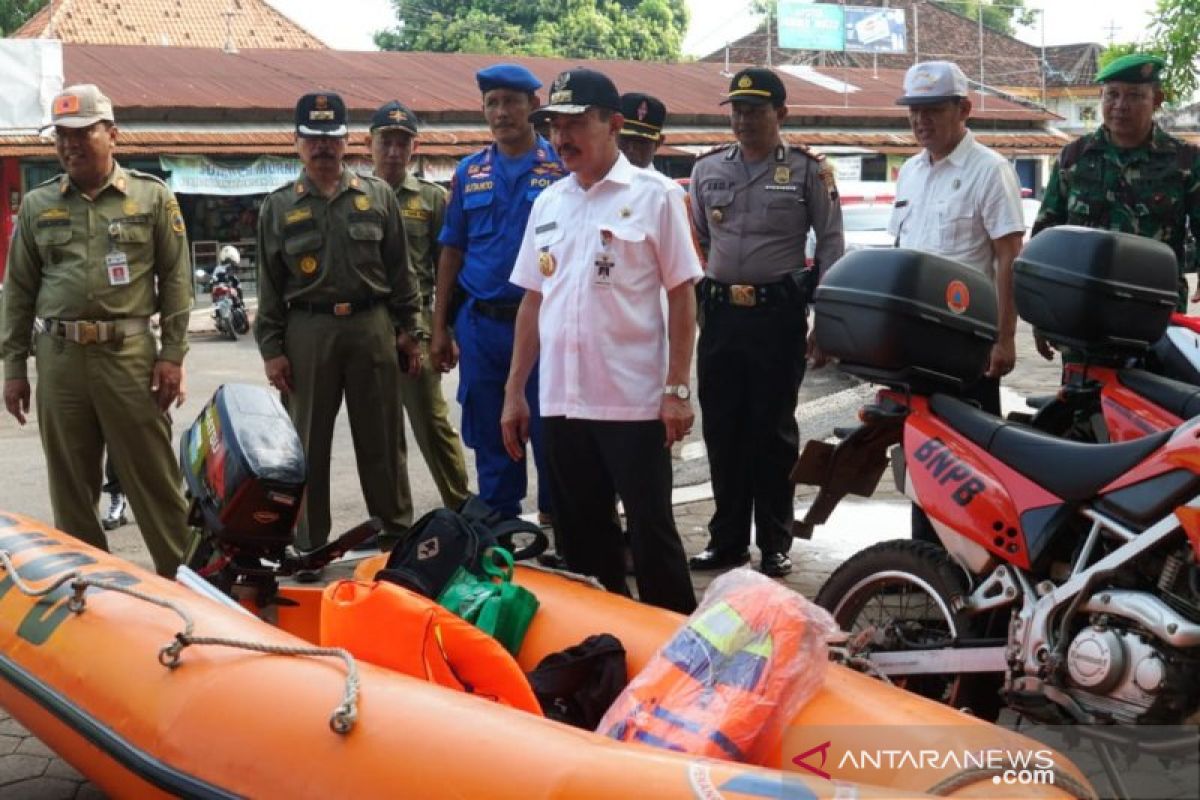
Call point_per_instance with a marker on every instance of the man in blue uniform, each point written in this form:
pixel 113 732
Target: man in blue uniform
pixel 490 199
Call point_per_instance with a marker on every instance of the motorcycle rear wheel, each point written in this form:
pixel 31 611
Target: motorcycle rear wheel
pixel 907 591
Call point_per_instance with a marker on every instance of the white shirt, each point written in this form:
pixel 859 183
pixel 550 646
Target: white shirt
pixel 610 251
pixel 958 205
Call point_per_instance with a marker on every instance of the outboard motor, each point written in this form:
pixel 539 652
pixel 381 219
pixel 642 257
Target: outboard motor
pixel 245 472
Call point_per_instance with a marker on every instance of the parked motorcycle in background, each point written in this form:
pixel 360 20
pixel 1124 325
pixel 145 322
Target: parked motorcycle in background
pixel 229 312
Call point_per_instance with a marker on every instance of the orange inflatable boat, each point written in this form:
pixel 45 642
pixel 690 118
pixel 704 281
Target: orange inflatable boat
pixel 103 677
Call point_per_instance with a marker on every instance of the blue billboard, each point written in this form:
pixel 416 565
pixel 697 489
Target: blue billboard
pixel 810 26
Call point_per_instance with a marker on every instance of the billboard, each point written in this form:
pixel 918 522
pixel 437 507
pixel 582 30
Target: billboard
pixel 874 30
pixel 810 26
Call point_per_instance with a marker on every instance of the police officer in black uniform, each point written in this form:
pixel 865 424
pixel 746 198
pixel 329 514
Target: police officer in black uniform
pixel 753 204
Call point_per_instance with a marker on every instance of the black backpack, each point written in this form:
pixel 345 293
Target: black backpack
pixel 444 540
pixel 577 685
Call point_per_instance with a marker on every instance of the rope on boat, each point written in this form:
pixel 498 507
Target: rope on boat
pixel 967 777
pixel 342 719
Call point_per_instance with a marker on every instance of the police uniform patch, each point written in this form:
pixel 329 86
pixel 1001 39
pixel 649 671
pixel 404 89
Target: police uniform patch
pixel 829 178
pixel 130 206
pixel 308 265
pixel 546 263
pixel 717 215
pixel 783 174
pixel 297 215
pixel 362 202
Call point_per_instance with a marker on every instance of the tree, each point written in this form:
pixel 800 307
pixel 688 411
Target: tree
pixel 14 13
pixel 1175 35
pixel 1004 16
pixel 646 30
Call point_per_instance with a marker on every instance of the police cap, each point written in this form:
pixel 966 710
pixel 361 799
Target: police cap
pixel 321 114
pixel 1133 68
pixel 756 85
pixel 575 91
pixel 507 76
pixel 644 115
pixel 394 116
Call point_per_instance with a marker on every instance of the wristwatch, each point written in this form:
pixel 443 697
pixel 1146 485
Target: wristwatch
pixel 679 390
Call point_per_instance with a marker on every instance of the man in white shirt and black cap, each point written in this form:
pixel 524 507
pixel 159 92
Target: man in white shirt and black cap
pixel 600 248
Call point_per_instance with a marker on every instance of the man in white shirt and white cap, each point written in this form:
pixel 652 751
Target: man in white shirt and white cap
pixel 960 200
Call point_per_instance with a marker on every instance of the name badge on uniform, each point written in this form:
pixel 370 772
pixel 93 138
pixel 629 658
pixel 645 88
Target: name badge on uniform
pixel 604 265
pixel 117 264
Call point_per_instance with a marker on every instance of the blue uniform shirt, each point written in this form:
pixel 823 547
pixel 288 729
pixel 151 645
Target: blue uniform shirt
pixel 487 212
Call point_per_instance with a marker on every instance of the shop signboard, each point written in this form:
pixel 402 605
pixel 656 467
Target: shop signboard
pixel 202 175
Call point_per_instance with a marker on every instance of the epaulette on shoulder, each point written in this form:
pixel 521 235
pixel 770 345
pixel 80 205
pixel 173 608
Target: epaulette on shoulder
pixel 49 181
pixel 721 148
pixel 137 173
pixel 808 151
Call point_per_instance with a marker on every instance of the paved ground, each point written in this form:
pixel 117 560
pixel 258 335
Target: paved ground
pixel 29 770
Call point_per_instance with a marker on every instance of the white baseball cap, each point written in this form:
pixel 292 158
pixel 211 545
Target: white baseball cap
pixel 933 82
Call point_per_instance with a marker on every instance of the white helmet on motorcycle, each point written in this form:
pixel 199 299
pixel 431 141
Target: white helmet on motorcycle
pixel 230 255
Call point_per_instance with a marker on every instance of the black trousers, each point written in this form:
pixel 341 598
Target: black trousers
pixel 589 463
pixel 985 392
pixel 750 363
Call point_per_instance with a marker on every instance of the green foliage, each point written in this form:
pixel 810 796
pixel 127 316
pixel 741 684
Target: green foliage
pixel 14 13
pixel 646 30
pixel 1004 16
pixel 1175 35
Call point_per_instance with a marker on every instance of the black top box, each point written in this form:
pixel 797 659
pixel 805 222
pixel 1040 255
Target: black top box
pixel 907 319
pixel 1100 292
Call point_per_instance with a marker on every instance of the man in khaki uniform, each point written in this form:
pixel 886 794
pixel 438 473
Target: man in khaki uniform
pixel 422 209
pixel 98 250
pixel 335 304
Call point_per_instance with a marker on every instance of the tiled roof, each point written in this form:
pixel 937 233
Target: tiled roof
pixel 458 143
pixel 178 23
pixel 183 84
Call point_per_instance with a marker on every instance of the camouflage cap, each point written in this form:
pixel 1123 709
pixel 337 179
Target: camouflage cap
pixel 1133 68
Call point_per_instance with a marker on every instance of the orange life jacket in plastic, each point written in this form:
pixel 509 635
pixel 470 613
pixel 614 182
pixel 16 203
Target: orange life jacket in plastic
pixel 386 625
pixel 716 685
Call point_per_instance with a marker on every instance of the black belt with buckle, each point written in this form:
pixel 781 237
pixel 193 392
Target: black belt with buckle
pixel 501 312
pixel 748 295
pixel 337 309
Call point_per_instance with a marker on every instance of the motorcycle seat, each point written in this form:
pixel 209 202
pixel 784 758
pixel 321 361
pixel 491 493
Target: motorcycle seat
pixel 1180 399
pixel 1074 471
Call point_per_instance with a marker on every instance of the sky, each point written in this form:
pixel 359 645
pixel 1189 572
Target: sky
pixel 349 24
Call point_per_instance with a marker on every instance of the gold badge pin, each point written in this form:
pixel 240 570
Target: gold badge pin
pixel 308 265
pixel 120 184
pixel 300 188
pixel 546 263
pixel 362 202
pixel 130 206
pixel 783 174
pixel 744 82
pixel 717 215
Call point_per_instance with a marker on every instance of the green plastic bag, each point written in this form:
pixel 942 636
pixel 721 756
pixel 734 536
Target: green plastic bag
pixel 493 603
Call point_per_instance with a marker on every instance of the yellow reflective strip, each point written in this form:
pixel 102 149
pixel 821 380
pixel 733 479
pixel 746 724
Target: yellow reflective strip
pixel 719 626
pixel 760 646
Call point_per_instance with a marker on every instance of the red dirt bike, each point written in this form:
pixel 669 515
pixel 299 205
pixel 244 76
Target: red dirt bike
pixel 1068 587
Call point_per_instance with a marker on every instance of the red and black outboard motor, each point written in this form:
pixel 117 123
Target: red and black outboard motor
pixel 245 473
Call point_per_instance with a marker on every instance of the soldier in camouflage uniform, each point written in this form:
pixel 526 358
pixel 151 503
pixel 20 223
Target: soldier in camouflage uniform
pixel 422 209
pixel 1130 175
pixel 98 250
